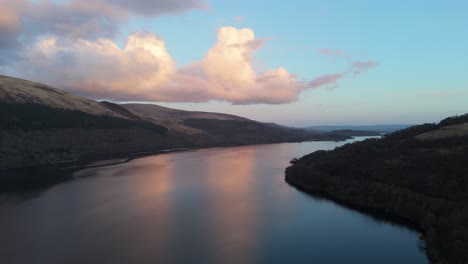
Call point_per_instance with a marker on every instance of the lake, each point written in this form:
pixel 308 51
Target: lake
pixel 218 205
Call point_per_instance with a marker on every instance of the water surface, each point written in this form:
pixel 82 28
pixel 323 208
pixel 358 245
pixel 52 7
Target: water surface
pixel 220 205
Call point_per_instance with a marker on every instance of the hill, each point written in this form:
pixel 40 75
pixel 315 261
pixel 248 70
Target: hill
pixel 18 91
pixel 419 174
pixel 40 124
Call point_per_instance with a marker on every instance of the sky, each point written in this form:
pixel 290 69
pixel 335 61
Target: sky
pixel 295 63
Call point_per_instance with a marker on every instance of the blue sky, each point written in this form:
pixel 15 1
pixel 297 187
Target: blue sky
pixel 420 50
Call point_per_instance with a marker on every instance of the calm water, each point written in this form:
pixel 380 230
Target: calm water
pixel 221 205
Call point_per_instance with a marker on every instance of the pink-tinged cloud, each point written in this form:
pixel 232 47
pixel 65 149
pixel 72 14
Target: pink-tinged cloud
pixel 355 69
pixel 143 70
pixel 226 73
pixel 326 80
pixel 101 68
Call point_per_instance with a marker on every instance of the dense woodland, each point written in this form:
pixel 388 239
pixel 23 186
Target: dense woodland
pixel 422 181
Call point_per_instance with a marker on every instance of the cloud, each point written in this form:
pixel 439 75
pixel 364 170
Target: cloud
pixel 143 70
pixel 226 73
pixel 100 68
pixel 75 19
pixel 356 68
pixel 28 20
pixel 326 80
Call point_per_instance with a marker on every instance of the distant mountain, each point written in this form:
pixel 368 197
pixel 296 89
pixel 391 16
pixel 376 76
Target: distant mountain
pixel 40 124
pixel 377 128
pixel 418 174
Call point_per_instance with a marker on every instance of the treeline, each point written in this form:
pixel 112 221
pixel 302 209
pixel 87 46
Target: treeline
pixel 454 120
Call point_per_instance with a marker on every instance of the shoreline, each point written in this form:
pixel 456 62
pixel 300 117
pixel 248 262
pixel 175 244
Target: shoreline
pixel 371 211
pixel 379 215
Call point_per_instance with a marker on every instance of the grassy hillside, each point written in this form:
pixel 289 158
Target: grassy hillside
pixel 18 91
pixel 419 173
